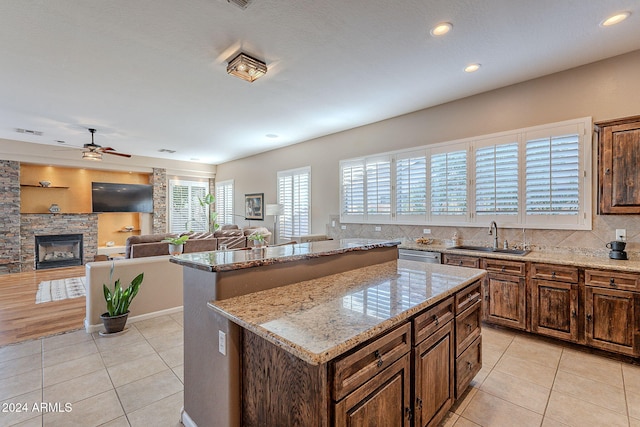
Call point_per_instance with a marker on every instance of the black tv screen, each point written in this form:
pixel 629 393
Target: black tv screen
pixel 111 197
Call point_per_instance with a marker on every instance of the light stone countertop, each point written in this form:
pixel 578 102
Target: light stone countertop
pixel 320 319
pixel 240 259
pixel 584 260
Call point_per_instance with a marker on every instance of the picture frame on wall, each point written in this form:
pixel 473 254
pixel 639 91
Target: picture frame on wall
pixel 254 206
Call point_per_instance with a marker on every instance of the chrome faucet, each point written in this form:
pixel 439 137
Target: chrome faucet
pixel 493 226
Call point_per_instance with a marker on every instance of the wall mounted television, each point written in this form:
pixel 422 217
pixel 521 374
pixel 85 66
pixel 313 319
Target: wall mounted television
pixel 112 197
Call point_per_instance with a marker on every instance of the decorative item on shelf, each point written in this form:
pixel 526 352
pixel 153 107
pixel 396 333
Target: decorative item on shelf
pixel 424 241
pixel 45 183
pixel 54 208
pixel 118 301
pixel 128 228
pixel 176 244
pixel 110 243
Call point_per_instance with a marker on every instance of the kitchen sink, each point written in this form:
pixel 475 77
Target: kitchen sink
pixel 491 250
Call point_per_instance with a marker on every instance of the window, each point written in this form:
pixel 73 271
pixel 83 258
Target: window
pixel 294 194
pixel 224 202
pixel 537 177
pixel 496 178
pixel 185 211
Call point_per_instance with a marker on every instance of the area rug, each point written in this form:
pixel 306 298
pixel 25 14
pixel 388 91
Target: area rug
pixel 57 290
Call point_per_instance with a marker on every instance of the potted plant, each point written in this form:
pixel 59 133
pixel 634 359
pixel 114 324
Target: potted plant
pixel 176 244
pixel 118 302
pixel 258 239
pixel 208 202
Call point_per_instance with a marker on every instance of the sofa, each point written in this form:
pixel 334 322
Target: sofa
pixel 232 236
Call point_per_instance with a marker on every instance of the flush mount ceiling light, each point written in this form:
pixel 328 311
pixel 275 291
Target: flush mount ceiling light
pixel 441 29
pixel 615 19
pixel 471 68
pixel 246 67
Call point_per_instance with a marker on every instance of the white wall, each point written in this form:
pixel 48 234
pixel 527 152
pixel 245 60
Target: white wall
pixel 603 90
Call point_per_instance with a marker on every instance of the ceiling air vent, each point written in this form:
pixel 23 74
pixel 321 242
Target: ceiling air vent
pixel 166 150
pixel 28 131
pixel 242 4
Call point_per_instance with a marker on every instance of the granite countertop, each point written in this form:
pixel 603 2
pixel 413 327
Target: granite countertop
pixel 240 259
pixel 551 257
pixel 320 319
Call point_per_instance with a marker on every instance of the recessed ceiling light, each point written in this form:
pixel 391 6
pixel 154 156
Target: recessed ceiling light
pixel 615 19
pixel 471 68
pixel 441 29
pixel 271 135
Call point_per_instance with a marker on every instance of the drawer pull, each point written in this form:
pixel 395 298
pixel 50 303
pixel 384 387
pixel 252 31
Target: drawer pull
pixel 378 356
pixel 408 413
pixel 436 320
pixel 470 365
pixel 460 262
pixel 589 317
pixel 503 269
pixel 553 274
pixel 418 403
pixel 469 327
pixel 573 314
pixel 612 282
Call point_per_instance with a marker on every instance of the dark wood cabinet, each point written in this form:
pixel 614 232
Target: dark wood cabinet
pixel 612 314
pixel 505 293
pixel 554 301
pixel 618 172
pixel 461 260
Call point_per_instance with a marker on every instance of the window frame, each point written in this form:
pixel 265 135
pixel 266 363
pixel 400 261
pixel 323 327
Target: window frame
pixel 284 217
pixel 189 183
pixel 581 221
pixel 225 205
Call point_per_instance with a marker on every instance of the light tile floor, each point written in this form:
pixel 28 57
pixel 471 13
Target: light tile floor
pixel 136 379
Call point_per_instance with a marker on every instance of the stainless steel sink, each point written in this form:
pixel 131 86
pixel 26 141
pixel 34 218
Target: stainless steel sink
pixel 491 250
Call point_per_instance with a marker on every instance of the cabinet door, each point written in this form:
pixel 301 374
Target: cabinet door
pixel 611 319
pixel 461 260
pixel 554 309
pixel 382 401
pixel 505 300
pixel 434 377
pixel 618 174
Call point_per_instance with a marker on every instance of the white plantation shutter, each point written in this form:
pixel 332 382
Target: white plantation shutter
pixel 294 193
pixel 553 176
pixel 411 186
pixel 496 180
pixel 352 190
pixel 449 184
pixel 378 189
pixel 185 212
pixel 224 202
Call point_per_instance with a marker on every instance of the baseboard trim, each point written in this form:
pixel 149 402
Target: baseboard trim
pixel 96 328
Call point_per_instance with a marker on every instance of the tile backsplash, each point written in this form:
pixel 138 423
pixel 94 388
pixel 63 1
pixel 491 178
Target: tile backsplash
pixel 576 241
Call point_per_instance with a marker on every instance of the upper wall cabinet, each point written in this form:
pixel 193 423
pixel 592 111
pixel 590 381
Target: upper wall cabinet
pixel 618 171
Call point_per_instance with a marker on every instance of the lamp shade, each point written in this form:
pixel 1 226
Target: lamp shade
pixel 273 209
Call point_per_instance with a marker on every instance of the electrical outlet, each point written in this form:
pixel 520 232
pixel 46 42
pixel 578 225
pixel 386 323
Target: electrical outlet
pixel 621 234
pixel 378 228
pixel 222 343
pixel 426 231
pixel 343 227
pixel 333 223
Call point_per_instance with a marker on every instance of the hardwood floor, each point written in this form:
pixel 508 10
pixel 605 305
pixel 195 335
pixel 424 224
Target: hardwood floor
pixel 21 319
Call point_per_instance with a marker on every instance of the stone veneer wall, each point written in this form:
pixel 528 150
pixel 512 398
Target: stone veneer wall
pixel 159 181
pixel 42 224
pixel 10 212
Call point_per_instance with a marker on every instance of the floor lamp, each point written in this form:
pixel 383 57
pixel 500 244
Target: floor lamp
pixel 274 210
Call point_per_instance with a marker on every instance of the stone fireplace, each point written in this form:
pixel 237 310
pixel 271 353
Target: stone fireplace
pixel 58 250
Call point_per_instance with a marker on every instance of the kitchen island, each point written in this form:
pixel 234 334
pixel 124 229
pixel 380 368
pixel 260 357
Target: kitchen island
pixel 332 320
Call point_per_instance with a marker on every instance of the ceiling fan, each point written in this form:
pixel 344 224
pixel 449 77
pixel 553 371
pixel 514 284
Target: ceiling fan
pixel 94 151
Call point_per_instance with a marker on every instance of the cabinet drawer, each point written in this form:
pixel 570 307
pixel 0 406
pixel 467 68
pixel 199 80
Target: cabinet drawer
pixel 354 369
pixel 504 266
pixel 467 297
pixel 461 260
pixel 433 319
pixel 559 273
pixel 611 280
pixel 468 327
pixel 468 364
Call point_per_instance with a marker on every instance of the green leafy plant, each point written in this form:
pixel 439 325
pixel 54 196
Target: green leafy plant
pixel 177 240
pixel 208 201
pixel 256 237
pixel 119 299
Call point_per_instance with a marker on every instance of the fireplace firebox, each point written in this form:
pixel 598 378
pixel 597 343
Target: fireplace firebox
pixel 58 250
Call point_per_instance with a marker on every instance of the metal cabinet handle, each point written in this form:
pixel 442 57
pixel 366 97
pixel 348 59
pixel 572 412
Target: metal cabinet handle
pixel 436 320
pixel 469 327
pixel 418 403
pixel 573 314
pixel 612 282
pixel 378 356
pixel 503 269
pixel 607 171
pixel 469 365
pixel 589 318
pixel 553 274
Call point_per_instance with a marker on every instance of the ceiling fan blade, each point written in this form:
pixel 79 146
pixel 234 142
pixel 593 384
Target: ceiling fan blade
pixel 117 154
